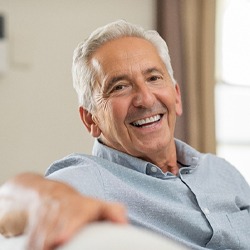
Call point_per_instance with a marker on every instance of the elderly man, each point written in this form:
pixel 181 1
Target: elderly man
pixel 129 101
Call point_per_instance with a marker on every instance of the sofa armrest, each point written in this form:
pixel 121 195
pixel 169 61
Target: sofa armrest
pixel 105 236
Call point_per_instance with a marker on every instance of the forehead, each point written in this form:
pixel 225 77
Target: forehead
pixel 125 54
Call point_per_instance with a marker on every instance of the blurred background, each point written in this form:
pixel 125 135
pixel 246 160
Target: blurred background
pixel 39 120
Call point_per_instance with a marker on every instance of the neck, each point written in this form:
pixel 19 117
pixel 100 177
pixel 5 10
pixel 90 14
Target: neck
pixel 165 160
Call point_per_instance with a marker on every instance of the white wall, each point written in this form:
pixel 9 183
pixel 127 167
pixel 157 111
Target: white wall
pixel 39 119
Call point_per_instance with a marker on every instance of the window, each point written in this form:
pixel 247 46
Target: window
pixel 232 92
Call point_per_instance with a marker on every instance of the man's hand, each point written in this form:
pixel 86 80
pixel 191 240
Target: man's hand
pixel 49 212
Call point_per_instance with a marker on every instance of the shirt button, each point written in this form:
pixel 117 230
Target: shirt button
pixel 185 171
pixel 206 211
pixel 153 169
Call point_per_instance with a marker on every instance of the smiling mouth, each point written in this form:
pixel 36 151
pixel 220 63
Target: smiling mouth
pixel 147 121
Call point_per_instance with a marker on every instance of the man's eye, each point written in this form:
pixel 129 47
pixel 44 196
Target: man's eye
pixel 154 78
pixel 118 88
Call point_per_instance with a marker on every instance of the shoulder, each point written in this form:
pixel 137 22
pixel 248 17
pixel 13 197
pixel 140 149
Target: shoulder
pixel 81 171
pixel 218 164
pixel 224 171
pixel 74 160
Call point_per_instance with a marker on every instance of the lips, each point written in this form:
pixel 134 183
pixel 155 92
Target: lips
pixel 147 121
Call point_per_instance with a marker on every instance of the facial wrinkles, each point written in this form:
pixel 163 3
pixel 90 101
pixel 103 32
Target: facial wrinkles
pixel 100 97
pixel 137 113
pixel 134 72
pixel 101 100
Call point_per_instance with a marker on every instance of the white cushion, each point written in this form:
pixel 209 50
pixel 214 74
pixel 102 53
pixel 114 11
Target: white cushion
pixel 104 236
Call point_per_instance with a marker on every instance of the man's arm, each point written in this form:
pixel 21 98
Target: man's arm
pixel 50 212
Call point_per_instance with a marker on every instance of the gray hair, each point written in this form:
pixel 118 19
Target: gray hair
pixel 83 72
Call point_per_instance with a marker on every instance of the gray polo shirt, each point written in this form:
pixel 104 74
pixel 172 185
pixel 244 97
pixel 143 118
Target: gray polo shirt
pixel 206 206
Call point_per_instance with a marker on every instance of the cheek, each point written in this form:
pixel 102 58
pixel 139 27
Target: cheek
pixel 118 113
pixel 110 114
pixel 118 106
pixel 167 99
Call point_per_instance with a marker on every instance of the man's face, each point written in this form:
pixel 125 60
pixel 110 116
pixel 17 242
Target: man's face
pixel 136 102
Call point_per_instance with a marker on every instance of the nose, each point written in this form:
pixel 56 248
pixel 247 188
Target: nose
pixel 143 96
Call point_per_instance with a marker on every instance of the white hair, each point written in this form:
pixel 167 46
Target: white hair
pixel 83 72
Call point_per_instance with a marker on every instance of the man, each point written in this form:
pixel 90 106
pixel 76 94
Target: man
pixel 129 101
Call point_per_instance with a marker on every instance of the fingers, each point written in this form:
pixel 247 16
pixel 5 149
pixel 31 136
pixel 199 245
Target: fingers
pixel 15 203
pixel 51 211
pixel 43 224
pixel 57 221
pixel 13 223
pixel 13 217
pixel 87 210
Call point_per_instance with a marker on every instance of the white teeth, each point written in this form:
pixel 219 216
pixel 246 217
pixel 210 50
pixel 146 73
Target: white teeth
pixel 147 120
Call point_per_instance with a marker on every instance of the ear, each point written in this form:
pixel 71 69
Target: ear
pixel 178 102
pixel 88 121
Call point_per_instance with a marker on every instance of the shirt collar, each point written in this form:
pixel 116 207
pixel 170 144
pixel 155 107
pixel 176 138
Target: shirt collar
pixel 110 154
pixel 187 157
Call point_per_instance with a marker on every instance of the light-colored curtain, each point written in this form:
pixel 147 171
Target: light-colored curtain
pixel 188 26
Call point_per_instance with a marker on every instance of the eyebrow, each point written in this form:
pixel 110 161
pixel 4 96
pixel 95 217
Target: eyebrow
pixel 117 79
pixel 110 83
pixel 151 70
